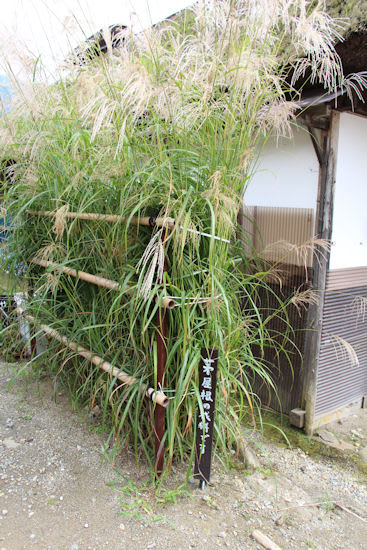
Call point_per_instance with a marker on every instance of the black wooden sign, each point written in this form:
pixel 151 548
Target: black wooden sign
pixel 205 424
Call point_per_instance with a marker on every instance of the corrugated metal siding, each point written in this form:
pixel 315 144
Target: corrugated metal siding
pixel 271 229
pixel 338 279
pixel 341 380
pixel 267 229
pixel 287 378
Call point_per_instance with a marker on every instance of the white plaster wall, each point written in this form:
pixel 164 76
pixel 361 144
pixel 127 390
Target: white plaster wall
pixel 349 233
pixel 287 174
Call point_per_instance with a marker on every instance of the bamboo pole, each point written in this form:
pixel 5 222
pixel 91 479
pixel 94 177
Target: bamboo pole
pixel 145 220
pixel 151 221
pixel 165 302
pixel 94 279
pixel 156 397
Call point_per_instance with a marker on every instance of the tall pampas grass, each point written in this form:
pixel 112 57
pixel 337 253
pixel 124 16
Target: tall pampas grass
pixel 167 124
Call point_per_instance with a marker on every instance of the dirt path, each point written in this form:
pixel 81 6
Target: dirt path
pixel 55 494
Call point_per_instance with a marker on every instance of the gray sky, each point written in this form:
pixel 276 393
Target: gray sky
pixel 50 28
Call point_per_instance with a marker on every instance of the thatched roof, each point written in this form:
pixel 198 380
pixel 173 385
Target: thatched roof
pixel 353 51
pixel 354 11
pixel 96 44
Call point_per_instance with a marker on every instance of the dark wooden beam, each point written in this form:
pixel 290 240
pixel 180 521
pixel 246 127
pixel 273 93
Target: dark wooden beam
pixel 320 153
pixel 313 121
pixel 321 266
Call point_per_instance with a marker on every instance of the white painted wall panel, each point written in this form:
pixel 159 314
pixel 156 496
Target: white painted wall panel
pixel 349 234
pixel 287 174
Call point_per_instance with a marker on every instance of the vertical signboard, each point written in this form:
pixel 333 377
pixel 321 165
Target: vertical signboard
pixel 205 418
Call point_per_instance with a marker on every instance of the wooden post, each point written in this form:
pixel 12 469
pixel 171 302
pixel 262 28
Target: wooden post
pixel 159 415
pixel 321 265
pixel 159 411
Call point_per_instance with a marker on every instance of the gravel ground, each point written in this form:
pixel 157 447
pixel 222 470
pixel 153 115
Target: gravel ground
pixel 56 493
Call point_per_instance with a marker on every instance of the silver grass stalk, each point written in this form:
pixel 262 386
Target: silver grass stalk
pixel 151 263
pixel 60 221
pixel 344 350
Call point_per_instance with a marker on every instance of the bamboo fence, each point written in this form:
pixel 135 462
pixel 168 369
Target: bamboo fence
pixel 165 302
pixel 156 397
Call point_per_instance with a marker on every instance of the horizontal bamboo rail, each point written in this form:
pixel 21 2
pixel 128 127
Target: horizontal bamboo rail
pixel 94 279
pixel 156 397
pixel 165 302
pixel 145 220
pixel 151 221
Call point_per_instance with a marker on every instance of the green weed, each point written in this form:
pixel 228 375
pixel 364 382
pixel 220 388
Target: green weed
pixel 141 502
